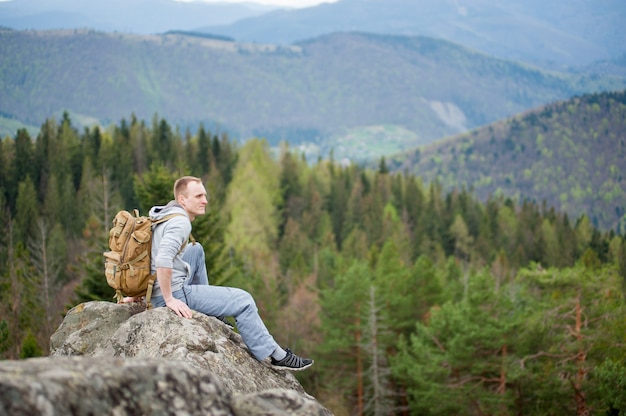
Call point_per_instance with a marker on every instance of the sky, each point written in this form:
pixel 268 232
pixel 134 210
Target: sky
pixel 284 3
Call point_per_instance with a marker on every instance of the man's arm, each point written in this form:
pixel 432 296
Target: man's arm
pixel 164 276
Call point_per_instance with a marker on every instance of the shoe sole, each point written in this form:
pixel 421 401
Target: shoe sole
pixel 282 368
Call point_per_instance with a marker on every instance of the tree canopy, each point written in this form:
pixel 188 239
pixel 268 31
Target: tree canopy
pixel 411 298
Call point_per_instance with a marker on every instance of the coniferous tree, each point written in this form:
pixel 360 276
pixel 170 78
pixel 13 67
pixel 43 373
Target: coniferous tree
pixel 139 142
pixel 291 190
pixel 70 158
pixel 155 187
pixel 117 155
pixel 566 330
pixel 294 250
pixel 52 201
pixel 607 394
pixel 375 203
pixel 203 155
pixel 394 284
pixel 27 210
pixel 5 219
pixel 341 325
pixel 313 214
pixel 163 143
pixel 5 164
pixel 20 298
pixel 584 234
pixel 4 336
pixel 394 229
pixel 378 390
pixel 8 282
pixel 67 215
pixel 91 141
pixel 413 207
pixel 463 241
pixel 219 172
pixel 433 218
pixel 529 238
pixel 356 245
pixel 224 158
pixel 552 254
pixel 21 165
pixel 48 260
pixel 621 264
pixel 30 347
pixel 427 288
pixel 354 216
pixel 44 145
pixel 382 166
pixel 484 238
pixel 440 364
pixel 338 203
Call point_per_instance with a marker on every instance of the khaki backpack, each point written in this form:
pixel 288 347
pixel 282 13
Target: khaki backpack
pixel 127 265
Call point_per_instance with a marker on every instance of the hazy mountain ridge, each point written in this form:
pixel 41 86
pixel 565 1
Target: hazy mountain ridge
pixel 557 34
pixel 311 93
pixel 571 154
pixel 129 16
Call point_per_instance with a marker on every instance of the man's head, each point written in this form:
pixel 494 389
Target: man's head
pixel 191 195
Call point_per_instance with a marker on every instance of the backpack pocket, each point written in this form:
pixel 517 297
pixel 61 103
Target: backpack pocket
pixel 112 269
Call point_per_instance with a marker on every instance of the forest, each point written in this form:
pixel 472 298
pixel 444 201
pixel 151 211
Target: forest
pixel 570 153
pixel 411 299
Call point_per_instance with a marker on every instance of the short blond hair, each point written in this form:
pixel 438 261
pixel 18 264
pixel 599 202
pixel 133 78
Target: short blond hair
pixel 180 186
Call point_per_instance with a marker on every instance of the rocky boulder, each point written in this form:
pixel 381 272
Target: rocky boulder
pixel 176 365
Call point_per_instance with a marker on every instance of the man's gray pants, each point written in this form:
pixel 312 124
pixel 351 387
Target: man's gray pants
pixel 222 301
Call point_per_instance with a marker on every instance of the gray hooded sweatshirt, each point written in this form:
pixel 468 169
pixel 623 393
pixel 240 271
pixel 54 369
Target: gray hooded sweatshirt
pixel 168 239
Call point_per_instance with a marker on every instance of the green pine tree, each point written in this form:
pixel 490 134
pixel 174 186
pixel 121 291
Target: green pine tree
pixel 154 187
pixel 30 347
pixel 341 355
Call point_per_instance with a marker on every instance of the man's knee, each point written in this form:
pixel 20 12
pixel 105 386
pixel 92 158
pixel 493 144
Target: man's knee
pixel 245 299
pixel 194 250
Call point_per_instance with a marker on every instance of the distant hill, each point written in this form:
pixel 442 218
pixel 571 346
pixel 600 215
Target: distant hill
pixel 615 66
pixel 571 154
pixel 340 91
pixel 127 16
pixel 553 34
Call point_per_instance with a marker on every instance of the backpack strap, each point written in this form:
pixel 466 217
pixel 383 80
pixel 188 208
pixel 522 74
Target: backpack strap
pixel 168 217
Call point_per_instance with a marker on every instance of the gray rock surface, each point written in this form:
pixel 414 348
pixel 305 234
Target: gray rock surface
pixel 174 365
pixel 92 386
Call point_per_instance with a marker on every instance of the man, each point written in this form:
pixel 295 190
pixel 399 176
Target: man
pixel 182 283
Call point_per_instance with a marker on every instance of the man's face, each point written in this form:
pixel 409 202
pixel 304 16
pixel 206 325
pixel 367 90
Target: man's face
pixel 194 200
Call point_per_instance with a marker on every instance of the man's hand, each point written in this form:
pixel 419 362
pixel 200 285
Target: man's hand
pixel 164 276
pixel 179 307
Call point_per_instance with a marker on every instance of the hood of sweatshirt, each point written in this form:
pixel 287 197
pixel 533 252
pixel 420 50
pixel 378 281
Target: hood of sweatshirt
pixel 172 207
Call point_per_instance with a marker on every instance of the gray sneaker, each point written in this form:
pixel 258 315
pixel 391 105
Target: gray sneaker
pixel 292 362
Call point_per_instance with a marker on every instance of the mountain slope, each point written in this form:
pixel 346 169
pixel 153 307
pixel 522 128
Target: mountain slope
pixel 571 154
pixel 557 33
pixel 316 91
